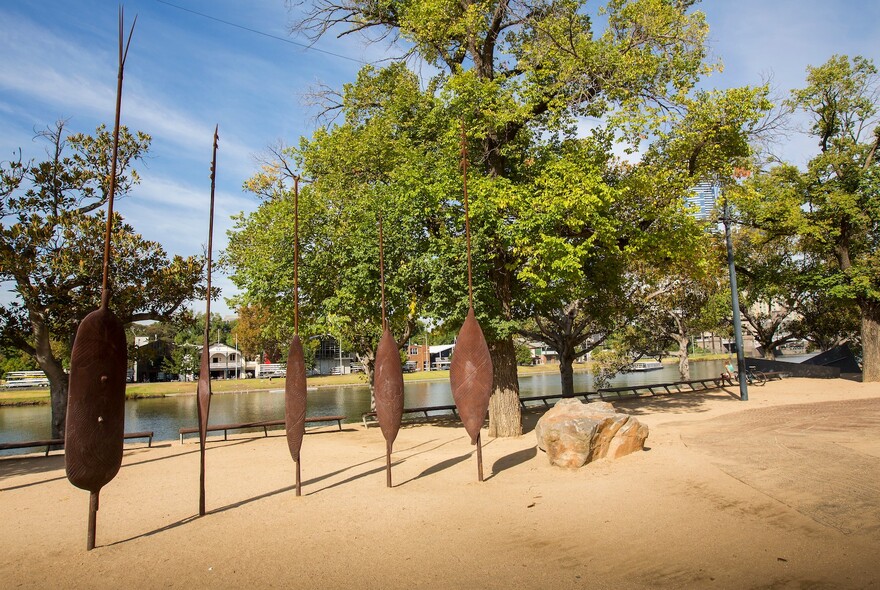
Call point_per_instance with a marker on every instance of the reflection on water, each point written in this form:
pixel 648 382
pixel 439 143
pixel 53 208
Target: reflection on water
pixel 166 415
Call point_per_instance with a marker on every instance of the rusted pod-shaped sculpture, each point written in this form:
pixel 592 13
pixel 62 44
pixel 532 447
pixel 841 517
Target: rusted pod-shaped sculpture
pixel 388 389
pixel 203 390
pixel 203 402
pixel 295 403
pixel 470 376
pixel 93 435
pixel 95 423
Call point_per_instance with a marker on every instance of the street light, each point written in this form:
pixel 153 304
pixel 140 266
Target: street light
pixel 705 205
pixel 734 296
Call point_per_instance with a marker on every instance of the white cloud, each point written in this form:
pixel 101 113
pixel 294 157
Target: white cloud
pixel 71 78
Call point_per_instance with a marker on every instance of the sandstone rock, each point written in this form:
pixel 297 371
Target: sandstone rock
pixel 573 433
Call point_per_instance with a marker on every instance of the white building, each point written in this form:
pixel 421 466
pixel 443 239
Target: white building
pixel 226 362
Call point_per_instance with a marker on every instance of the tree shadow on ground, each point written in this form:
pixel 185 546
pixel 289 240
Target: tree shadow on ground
pixel 31 465
pixel 691 402
pixel 13 465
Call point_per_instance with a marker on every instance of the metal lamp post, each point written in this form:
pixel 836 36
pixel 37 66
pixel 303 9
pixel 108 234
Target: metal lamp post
pixel 737 322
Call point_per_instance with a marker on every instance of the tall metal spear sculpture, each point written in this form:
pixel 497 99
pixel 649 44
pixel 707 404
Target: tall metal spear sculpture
pixel 295 382
pixel 95 426
pixel 203 397
pixel 388 377
pixel 470 373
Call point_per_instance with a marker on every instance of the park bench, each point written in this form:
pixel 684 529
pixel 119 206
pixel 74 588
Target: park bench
pixel 264 424
pixel 545 399
pixel 661 388
pixel 416 410
pixel 59 442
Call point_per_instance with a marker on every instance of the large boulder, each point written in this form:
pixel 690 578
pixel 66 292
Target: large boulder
pixel 573 433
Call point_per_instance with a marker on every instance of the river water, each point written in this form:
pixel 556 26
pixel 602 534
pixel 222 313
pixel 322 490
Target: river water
pixel 164 416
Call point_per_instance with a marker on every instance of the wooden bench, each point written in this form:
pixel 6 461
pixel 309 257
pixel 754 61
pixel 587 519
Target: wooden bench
pixel 417 410
pixel 59 442
pixel 264 424
pixel 545 399
pixel 661 388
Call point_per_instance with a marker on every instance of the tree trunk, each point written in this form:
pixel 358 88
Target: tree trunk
pixel 58 393
pixel 566 372
pixel 505 416
pixel 51 366
pixel 870 341
pixel 368 361
pixel 684 365
pixel 58 380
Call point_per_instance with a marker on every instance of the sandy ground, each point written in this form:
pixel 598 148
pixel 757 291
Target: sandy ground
pixel 782 491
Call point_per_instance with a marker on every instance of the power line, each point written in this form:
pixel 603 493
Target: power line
pixel 285 40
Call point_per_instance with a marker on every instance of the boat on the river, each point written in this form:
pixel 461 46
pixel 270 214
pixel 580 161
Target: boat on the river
pixel 25 380
pixel 646 366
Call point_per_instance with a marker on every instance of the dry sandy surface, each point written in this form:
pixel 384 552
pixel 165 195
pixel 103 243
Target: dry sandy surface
pixel 782 491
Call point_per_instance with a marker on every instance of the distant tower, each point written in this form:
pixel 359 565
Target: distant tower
pixel 703 196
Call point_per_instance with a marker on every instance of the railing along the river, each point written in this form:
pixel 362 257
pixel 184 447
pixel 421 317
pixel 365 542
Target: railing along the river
pixel 631 391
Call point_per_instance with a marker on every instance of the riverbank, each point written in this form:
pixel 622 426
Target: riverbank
pixel 775 492
pixel 154 390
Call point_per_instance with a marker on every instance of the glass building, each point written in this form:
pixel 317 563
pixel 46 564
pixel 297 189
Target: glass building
pixel 703 197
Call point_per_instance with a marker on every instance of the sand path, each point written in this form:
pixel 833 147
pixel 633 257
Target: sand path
pixel 782 491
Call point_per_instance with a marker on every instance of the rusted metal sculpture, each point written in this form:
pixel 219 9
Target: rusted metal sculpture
pixel 388 376
pixel 203 390
pixel 470 374
pixel 93 434
pixel 295 382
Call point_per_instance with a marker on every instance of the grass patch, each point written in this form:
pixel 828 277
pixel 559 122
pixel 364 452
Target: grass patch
pixel 24 397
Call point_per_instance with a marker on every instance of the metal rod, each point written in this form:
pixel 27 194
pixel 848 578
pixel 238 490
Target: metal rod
pixel 204 404
pixel 296 267
pixel 388 464
pixel 734 296
pixel 93 520
pixel 298 480
pixel 105 290
pixel 381 278
pixel 467 222
pixel 479 458
pixel 202 479
pixel 211 231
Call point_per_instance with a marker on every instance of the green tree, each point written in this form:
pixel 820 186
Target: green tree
pixel 51 251
pixel 520 75
pixel 255 337
pixel 833 207
pixel 523 354
pixel 185 333
pixel 569 234
pixel 826 322
pixel 353 167
pixel 683 305
pixel 15 360
pixel 774 278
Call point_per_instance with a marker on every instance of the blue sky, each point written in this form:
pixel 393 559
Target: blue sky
pixel 185 73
